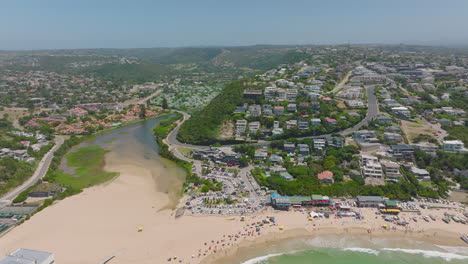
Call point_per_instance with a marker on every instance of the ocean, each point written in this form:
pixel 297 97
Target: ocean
pixel 350 250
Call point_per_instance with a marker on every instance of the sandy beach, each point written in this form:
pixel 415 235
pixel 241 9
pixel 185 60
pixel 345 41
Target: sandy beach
pixel 104 220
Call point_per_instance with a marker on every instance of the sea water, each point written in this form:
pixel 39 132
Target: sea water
pixel 350 250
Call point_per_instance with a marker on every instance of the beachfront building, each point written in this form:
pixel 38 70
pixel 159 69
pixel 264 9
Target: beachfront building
pixel 285 202
pixel 370 201
pixel 28 256
pixel 391 169
pixel 421 174
pixel 325 177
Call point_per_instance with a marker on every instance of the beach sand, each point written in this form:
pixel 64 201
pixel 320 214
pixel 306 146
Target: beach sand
pixel 104 220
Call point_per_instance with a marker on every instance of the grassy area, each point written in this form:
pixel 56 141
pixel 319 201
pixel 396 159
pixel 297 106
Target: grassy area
pixel 89 162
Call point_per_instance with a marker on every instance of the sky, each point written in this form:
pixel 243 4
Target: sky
pixel 69 24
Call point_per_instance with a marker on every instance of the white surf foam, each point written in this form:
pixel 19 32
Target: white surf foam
pixel 457 250
pixel 262 258
pixel 429 253
pixel 363 250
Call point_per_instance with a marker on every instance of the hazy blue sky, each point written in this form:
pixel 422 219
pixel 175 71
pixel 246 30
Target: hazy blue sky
pixel 50 24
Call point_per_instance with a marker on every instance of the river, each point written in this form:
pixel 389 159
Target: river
pixel 135 144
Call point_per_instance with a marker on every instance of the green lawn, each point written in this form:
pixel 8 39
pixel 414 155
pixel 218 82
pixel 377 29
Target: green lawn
pixel 89 162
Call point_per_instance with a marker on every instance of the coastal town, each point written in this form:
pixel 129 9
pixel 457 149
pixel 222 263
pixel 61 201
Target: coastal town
pixel 364 138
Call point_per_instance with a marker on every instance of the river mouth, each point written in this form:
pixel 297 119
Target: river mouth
pixel 132 149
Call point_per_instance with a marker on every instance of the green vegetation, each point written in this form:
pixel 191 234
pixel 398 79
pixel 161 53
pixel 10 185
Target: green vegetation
pixel 202 127
pixel 13 172
pixel 160 132
pixel 457 132
pixel 89 162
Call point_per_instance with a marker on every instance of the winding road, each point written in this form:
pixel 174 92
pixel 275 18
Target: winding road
pixel 372 112
pixel 39 173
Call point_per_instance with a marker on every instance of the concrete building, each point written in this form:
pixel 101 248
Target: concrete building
pixel 241 126
pixel 303 149
pixel 372 169
pixel 315 122
pixel 270 93
pixel 391 169
pixel 254 127
pixel 421 174
pixel 453 145
pixel 401 111
pixel 402 151
pixel 278 110
pixel 319 144
pixel 28 256
pixel 392 137
pixel 303 125
pixel 291 124
pixel 289 147
pixel 370 201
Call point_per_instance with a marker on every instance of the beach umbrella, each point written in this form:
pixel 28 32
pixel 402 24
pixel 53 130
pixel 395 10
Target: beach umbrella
pixel 281 227
pixel 140 228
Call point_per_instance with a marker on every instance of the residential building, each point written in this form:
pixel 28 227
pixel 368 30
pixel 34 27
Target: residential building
pixel 270 93
pixel 254 127
pixel 303 125
pixel 372 169
pixel 401 111
pixel 392 137
pixel 453 145
pixel 315 122
pixel 391 169
pixel 429 148
pixel 319 144
pixel 254 110
pixel 364 135
pixel 291 124
pixel 421 174
pixel 292 107
pixel 278 110
pixel 252 93
pixel 267 110
pixel 241 126
pixel 336 142
pixel 326 177
pixel 402 151
pixel 303 149
pixel 331 121
pixel 289 147
pixel 383 119
pixel 291 95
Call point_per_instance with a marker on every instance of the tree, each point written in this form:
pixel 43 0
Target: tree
pixel 165 105
pixel 244 161
pixel 142 111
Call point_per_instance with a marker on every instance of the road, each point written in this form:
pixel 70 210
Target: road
pixel 143 100
pixel 342 83
pixel 372 112
pixel 40 172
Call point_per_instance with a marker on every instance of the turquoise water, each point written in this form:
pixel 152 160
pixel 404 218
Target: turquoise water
pixel 349 250
pixel 361 256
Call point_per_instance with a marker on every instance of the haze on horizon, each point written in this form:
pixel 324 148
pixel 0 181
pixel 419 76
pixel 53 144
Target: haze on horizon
pixel 66 24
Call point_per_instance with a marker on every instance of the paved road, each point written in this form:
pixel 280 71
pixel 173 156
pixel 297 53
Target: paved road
pixel 342 83
pixel 40 172
pixel 372 112
pixel 143 100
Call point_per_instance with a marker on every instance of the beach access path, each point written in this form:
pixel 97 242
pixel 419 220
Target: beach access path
pixel 39 173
